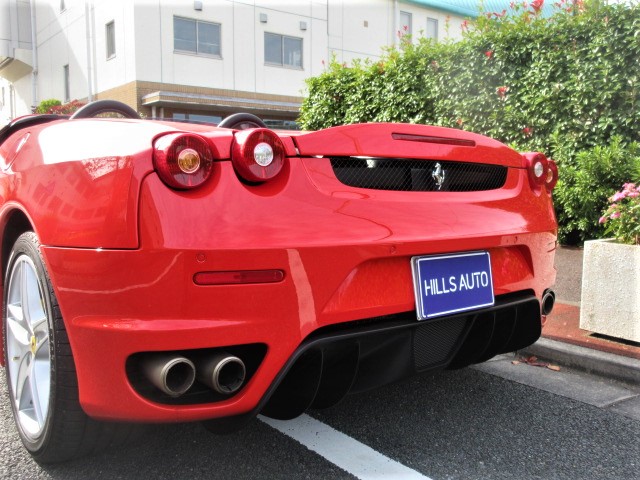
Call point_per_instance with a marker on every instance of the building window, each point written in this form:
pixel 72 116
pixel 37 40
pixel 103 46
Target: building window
pixel 67 89
pixel 282 50
pixel 432 28
pixel 197 118
pixel 110 31
pixel 405 23
pixel 196 37
pixel 280 124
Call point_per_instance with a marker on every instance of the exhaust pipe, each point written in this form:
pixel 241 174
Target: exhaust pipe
pixel 548 301
pixel 171 373
pixel 222 372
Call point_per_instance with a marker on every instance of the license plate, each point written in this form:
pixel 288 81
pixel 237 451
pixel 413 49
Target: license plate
pixel 449 284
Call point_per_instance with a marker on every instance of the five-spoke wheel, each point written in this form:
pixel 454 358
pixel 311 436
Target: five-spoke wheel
pixel 28 348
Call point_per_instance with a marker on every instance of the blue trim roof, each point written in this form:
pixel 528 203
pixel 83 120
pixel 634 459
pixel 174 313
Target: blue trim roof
pixel 471 8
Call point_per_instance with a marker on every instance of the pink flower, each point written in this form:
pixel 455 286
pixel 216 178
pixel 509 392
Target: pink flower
pixel 619 196
pixel 464 25
pixel 623 214
pixel 537 5
pixel 602 220
pixel 502 91
pixel 528 131
pixel 488 53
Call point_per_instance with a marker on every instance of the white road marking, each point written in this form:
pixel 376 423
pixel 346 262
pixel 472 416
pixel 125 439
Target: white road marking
pixel 343 451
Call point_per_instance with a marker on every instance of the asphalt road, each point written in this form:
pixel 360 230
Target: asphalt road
pixel 468 424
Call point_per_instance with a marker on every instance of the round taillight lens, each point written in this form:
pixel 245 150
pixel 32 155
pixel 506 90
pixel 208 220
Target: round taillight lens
pixel 258 154
pixel 538 168
pixel 552 175
pixel 263 154
pixel 189 160
pixel 182 160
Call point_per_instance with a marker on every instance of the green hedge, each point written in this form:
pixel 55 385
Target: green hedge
pixel 46 105
pixel 568 86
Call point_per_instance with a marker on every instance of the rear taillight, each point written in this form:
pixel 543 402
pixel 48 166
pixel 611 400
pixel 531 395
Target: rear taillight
pixel 182 160
pixel 258 154
pixel 552 175
pixel 542 171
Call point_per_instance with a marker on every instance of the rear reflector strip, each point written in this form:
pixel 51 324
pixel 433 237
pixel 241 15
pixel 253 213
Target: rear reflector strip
pixel 439 140
pixel 238 277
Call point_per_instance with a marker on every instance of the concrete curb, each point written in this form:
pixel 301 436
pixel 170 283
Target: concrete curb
pixel 591 361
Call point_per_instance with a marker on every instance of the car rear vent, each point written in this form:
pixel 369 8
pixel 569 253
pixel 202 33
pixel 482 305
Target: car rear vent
pixel 434 342
pixel 418 175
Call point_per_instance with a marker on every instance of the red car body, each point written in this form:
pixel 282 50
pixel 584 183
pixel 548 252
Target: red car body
pixel 139 267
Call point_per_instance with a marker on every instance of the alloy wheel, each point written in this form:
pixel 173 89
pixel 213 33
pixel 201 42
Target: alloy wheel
pixel 28 349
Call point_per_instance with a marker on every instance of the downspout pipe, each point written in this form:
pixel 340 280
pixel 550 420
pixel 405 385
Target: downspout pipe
pixel 34 59
pixel 89 43
pixel 396 23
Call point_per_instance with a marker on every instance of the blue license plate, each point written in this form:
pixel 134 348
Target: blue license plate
pixel 450 284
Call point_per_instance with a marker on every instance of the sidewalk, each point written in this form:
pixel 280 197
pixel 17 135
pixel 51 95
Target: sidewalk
pixel 564 343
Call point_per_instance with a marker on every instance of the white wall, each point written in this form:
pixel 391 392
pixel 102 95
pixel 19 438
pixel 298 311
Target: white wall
pixel 15 98
pixel 120 69
pixel 359 29
pixel 284 80
pixel 241 66
pixel 348 29
pixel 61 40
pixel 449 25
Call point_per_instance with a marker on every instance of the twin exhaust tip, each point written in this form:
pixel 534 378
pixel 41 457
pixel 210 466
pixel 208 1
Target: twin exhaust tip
pixel 548 301
pixel 223 373
pixel 175 374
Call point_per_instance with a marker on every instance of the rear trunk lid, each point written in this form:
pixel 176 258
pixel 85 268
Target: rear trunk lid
pixel 392 140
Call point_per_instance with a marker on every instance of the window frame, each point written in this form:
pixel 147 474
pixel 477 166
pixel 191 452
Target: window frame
pixel 197 51
pixel 409 30
pixel 437 28
pixel 67 83
pixel 282 63
pixel 110 39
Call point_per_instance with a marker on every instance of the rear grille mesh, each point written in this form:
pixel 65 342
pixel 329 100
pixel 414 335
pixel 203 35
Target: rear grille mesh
pixel 418 175
pixel 435 340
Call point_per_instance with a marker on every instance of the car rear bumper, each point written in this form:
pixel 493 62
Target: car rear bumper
pixel 346 258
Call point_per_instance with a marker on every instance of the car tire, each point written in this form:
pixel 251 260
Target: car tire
pixel 40 370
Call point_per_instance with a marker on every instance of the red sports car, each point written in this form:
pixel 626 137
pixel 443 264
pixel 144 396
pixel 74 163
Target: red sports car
pixel 165 272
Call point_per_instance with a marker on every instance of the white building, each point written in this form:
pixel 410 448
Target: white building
pixel 197 59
